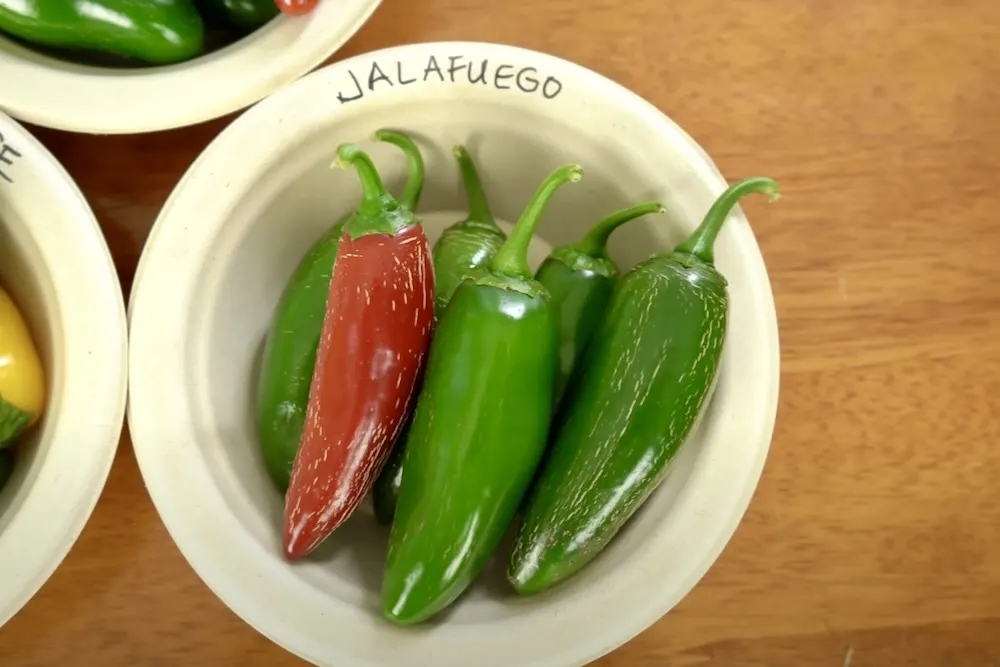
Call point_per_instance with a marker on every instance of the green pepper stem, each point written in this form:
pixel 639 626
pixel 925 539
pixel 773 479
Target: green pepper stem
pixel 702 240
pixel 479 207
pixel 378 212
pixel 415 161
pixel 349 155
pixel 512 257
pixel 595 242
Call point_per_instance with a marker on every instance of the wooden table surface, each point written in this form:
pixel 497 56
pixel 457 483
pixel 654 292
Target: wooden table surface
pixel 872 540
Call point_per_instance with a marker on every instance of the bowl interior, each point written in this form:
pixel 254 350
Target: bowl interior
pixel 232 234
pixel 276 221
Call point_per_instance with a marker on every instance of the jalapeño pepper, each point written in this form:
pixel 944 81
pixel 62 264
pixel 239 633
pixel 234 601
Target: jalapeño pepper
pixel 644 381
pixel 580 277
pixel 158 33
pixel 376 329
pixel 479 428
pixel 467 244
pixel 461 249
pixel 290 350
pixel 386 490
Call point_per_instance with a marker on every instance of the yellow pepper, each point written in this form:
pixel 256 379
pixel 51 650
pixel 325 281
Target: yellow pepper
pixel 22 379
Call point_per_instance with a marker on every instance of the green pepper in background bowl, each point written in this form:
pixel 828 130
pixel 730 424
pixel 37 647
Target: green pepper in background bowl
pixel 243 15
pixel 157 33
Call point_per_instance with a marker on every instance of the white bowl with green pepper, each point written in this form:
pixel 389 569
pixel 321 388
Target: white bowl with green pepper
pixel 120 67
pixel 63 355
pixel 554 499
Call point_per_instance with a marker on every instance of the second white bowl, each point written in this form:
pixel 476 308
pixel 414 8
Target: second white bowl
pixel 64 95
pixel 56 267
pixel 233 231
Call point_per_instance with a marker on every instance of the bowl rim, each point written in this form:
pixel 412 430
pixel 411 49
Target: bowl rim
pixel 86 431
pixel 62 95
pixel 199 545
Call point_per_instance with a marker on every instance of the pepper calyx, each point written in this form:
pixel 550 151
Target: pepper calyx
pixel 379 212
pixel 580 262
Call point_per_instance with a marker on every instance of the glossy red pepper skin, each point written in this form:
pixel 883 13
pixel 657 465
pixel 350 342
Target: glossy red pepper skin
pixel 376 330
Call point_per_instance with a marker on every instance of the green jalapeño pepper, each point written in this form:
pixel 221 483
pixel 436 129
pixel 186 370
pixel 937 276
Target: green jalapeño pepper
pixel 292 341
pixel 245 15
pixel 385 493
pixel 644 381
pixel 470 243
pixel 158 33
pixel 580 277
pixel 479 428
pixel 460 250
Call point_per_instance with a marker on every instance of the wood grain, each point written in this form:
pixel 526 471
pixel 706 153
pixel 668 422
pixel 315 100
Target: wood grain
pixel 872 539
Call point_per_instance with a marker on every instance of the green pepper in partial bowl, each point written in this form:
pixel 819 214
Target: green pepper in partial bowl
pixel 244 15
pixel 157 33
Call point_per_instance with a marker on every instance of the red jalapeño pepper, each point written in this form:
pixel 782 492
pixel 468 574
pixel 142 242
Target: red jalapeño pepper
pixel 376 329
pixel 296 7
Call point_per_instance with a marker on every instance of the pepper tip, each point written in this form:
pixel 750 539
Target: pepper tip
pixel 385 134
pixel 767 187
pixel 459 151
pixel 345 156
pixel 290 550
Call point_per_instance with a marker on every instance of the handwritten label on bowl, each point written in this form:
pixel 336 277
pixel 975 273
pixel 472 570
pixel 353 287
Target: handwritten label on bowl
pixel 376 76
pixel 8 156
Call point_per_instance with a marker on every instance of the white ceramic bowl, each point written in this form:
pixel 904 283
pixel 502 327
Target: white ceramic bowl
pixel 236 226
pixel 55 265
pixel 79 98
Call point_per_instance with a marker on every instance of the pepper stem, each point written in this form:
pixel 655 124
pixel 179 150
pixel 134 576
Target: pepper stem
pixel 595 242
pixel 378 212
pixel 415 161
pixel 512 257
pixel 479 207
pixel 702 240
pixel 349 155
